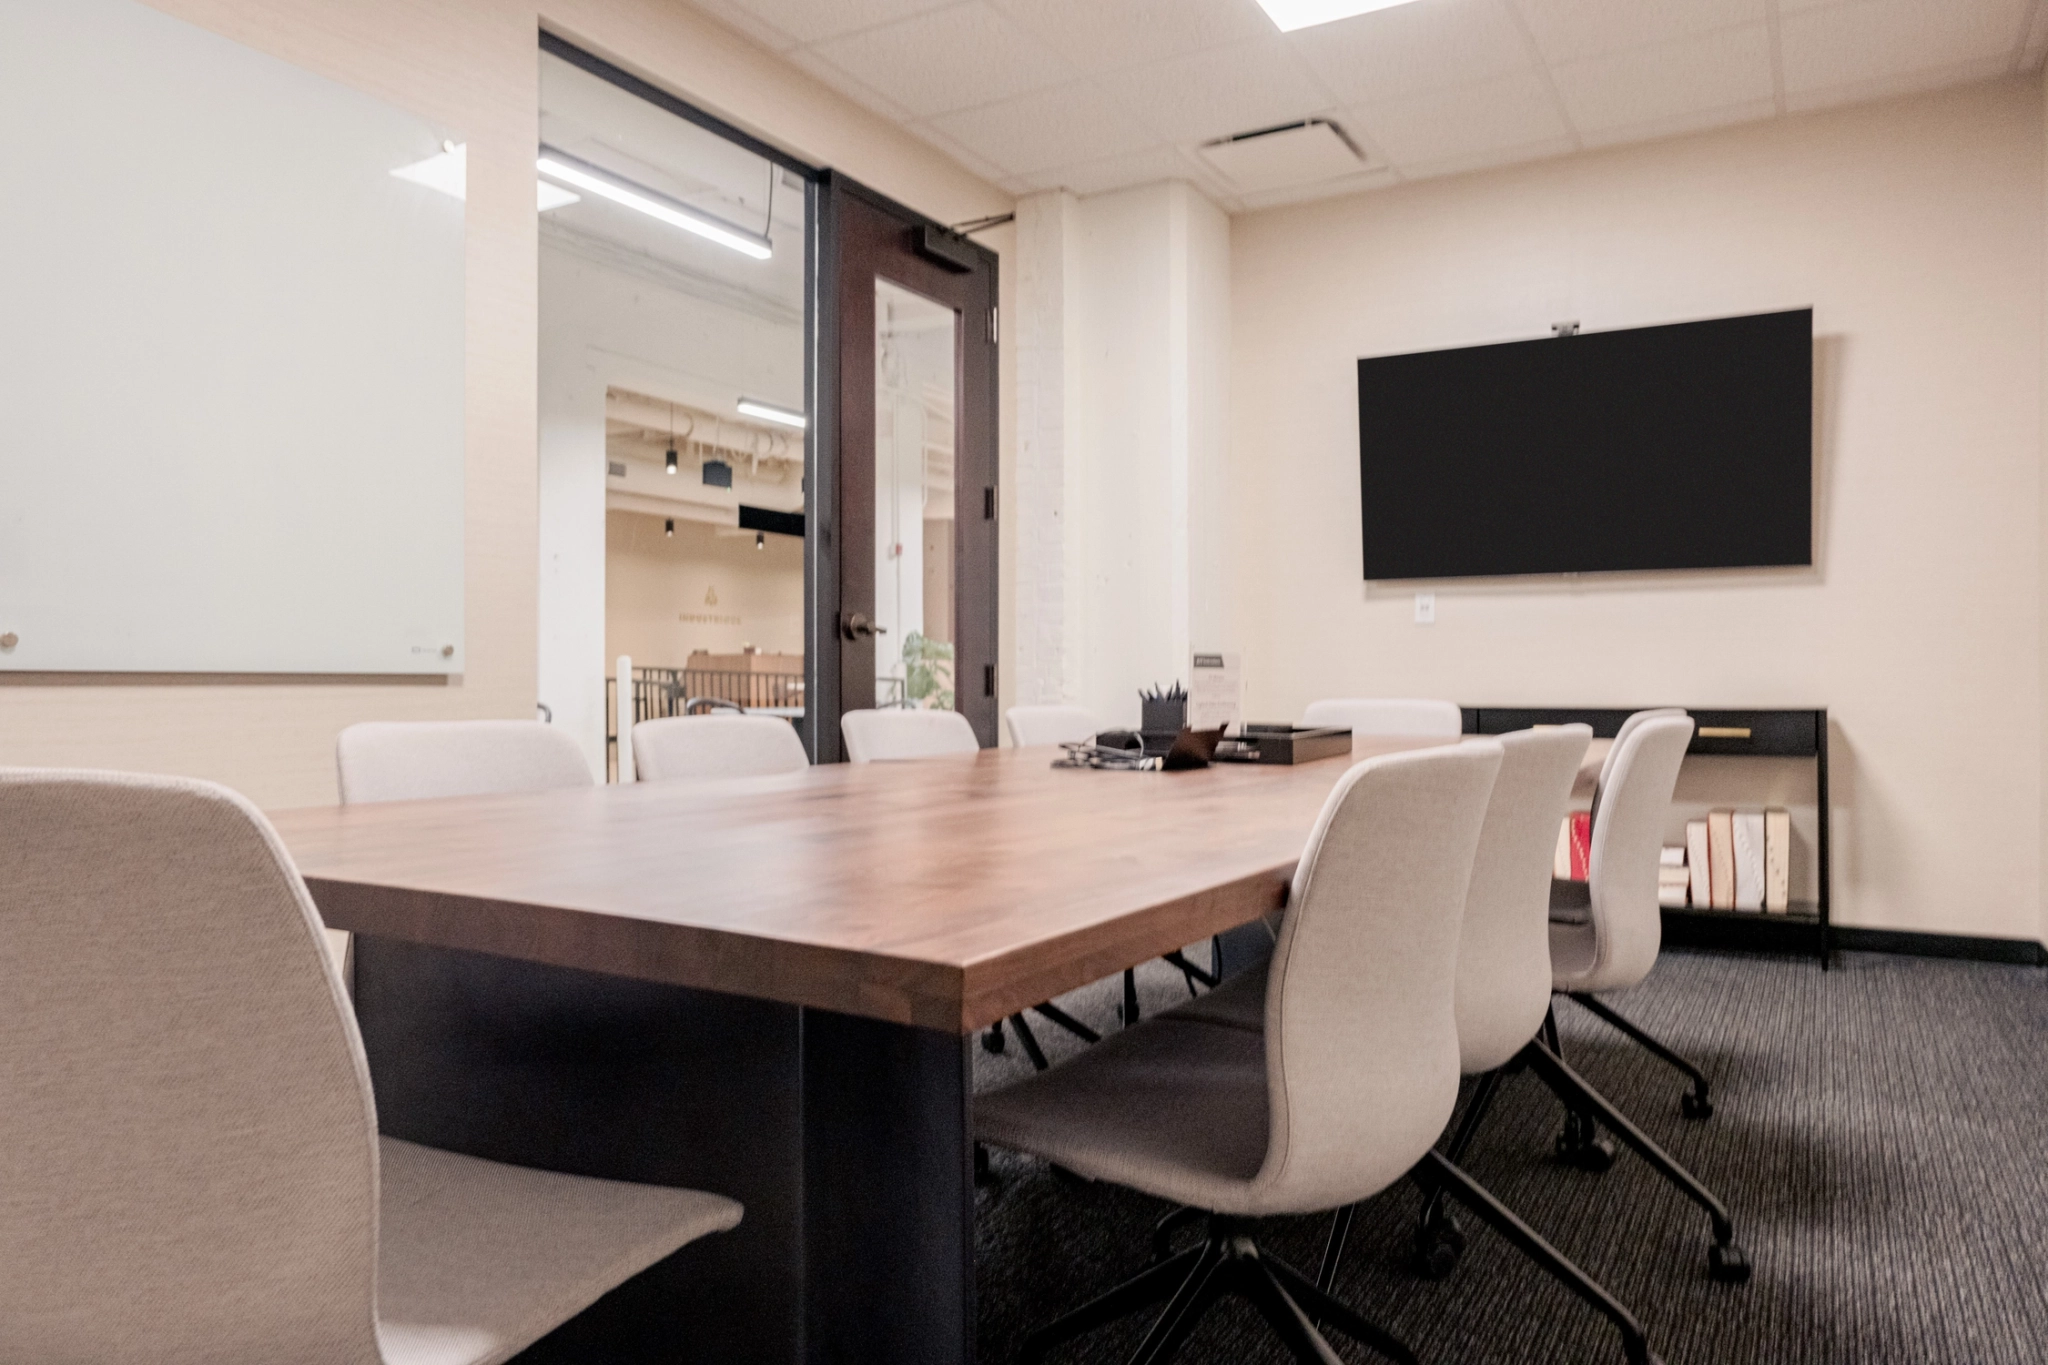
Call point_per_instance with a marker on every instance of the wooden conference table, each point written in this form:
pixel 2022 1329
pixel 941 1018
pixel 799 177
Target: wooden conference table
pixel 769 988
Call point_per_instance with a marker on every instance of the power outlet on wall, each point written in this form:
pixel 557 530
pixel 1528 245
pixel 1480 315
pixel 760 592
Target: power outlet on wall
pixel 1425 609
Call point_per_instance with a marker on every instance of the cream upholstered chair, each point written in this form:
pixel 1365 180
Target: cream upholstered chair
pixel 701 747
pixel 1030 725
pixel 1387 716
pixel 421 759
pixel 1503 1001
pixel 193 1167
pixel 1346 1088
pixel 1605 931
pixel 904 733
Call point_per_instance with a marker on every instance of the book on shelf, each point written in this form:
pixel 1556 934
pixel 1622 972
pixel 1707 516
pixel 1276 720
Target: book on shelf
pixel 1777 861
pixel 1673 855
pixel 1749 859
pixel 1721 859
pixel 1672 885
pixel 1696 862
pixel 1573 860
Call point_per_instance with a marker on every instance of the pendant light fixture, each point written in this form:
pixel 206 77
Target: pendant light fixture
pixel 671 449
pixel 760 540
pixel 669 528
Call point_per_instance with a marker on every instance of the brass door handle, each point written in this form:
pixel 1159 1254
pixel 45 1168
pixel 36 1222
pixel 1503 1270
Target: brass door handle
pixel 1724 732
pixel 860 627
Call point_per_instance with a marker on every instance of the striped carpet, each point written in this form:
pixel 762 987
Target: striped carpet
pixel 1880 1136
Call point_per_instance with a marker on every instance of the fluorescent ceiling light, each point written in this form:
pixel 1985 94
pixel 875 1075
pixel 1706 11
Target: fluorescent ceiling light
pixel 448 172
pixel 1293 14
pixel 654 204
pixel 768 412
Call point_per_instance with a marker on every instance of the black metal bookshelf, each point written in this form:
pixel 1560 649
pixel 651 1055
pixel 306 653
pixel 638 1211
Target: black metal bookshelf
pixel 1805 927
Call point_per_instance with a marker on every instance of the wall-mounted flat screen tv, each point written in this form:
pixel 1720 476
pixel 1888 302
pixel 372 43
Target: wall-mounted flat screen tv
pixel 1687 446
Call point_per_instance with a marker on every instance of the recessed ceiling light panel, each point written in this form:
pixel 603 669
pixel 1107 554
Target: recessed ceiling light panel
pixel 1293 14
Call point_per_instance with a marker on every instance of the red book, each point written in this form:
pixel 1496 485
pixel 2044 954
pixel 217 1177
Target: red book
pixel 1582 845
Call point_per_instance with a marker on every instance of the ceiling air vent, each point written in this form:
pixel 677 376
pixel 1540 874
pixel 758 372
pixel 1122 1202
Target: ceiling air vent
pixel 1293 154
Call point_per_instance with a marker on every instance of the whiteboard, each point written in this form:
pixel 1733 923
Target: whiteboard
pixel 231 360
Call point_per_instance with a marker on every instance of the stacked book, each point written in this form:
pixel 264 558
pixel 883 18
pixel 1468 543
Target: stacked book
pixel 1732 860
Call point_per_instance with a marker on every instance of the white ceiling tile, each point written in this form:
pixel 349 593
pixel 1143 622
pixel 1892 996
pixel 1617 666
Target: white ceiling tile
pixel 1445 125
pixel 1486 161
pixel 1413 48
pixel 952 59
pixel 966 156
pixel 1667 80
pixel 1302 194
pixel 860 92
pixel 1567 30
pixel 1097 35
pixel 1067 125
pixel 1905 83
pixel 1677 124
pixel 740 16
pixel 1870 40
pixel 1119 172
pixel 1222 91
pixel 810 21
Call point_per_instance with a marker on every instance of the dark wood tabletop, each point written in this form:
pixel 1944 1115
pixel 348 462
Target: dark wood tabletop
pixel 946 893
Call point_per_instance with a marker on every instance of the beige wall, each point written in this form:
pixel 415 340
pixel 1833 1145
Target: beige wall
pixel 666 596
pixel 470 64
pixel 1915 230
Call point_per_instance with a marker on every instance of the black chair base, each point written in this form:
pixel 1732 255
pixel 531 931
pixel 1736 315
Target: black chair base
pixel 1696 1103
pixel 1227 1262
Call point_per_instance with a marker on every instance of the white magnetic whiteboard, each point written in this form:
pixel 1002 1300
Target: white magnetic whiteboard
pixel 231 360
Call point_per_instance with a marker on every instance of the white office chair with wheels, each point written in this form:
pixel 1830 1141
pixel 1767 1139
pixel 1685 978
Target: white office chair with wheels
pixel 1246 1125
pixel 699 748
pixel 1605 932
pixel 899 734
pixel 194 1171
pixel 419 760
pixel 1032 725
pixel 1387 716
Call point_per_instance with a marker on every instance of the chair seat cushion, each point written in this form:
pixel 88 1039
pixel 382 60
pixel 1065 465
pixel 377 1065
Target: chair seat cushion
pixel 477 1260
pixel 1570 902
pixel 1239 1002
pixel 1572 953
pixel 1172 1107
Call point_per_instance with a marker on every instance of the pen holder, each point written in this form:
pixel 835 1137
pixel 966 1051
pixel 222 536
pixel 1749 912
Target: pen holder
pixel 1164 715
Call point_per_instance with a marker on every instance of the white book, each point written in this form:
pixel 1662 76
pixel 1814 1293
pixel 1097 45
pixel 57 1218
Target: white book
pixel 1672 856
pixel 1777 861
pixel 1561 861
pixel 1671 894
pixel 1749 860
pixel 1696 862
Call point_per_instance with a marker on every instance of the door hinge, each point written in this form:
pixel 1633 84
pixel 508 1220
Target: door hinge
pixel 988 680
pixel 995 329
pixel 988 503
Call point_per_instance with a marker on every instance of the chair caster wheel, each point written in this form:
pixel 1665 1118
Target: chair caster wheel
pixel 1695 1106
pixel 1438 1246
pixel 1591 1153
pixel 994 1041
pixel 1728 1264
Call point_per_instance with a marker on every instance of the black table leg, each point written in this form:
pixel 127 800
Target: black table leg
pixel 889 1193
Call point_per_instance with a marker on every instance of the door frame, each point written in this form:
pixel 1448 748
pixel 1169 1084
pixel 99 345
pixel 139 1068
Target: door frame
pixel 856 231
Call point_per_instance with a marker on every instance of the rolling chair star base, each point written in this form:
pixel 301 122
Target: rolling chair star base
pixel 1696 1103
pixel 992 1041
pixel 1227 1262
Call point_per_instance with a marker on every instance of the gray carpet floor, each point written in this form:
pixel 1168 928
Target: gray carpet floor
pixel 1880 1136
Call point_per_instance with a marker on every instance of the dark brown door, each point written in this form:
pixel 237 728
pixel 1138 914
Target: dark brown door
pixel 903 584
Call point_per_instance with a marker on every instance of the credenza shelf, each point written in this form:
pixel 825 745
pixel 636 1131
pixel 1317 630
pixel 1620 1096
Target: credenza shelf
pixel 1805 928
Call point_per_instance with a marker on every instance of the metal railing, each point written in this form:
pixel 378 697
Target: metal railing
pixel 661 692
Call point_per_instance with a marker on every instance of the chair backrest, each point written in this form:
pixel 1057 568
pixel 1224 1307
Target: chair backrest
pixel 699 747
pixel 1031 725
pixel 188 1158
pixel 1387 716
pixel 422 759
pixel 1504 948
pixel 1628 725
pixel 1361 1032
pixel 1622 877
pixel 887 736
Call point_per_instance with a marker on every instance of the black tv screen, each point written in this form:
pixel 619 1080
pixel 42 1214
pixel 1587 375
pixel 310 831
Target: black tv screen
pixel 1687 446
